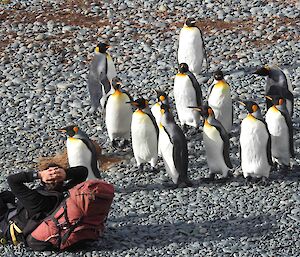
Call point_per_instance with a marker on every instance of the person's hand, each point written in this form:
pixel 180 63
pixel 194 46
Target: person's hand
pixel 53 175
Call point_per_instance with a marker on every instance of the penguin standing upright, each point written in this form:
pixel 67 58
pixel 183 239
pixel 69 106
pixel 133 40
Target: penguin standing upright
pixel 173 147
pixel 277 78
pixel 281 129
pixel 191 48
pixel 81 151
pixel 187 92
pixel 216 142
pixel 219 99
pixel 162 98
pixel 118 114
pixel 144 134
pixel 255 141
pixel 102 71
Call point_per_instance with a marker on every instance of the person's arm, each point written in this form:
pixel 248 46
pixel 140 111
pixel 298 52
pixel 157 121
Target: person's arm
pixel 31 199
pixel 75 175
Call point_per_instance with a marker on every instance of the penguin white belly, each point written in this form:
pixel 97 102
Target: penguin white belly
pixel 214 146
pixel 144 138
pixel 221 103
pixel 111 69
pixel 190 49
pixel 79 155
pixel 155 110
pixel 166 149
pixel 118 116
pixel 185 95
pixel 279 131
pixel 253 140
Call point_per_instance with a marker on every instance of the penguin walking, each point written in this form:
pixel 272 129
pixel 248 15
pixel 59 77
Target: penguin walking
pixel 255 141
pixel 216 142
pixel 118 114
pixel 81 151
pixel 162 98
pixel 187 92
pixel 276 77
pixel 191 48
pixel 281 129
pixel 173 146
pixel 144 134
pixel 219 99
pixel 102 71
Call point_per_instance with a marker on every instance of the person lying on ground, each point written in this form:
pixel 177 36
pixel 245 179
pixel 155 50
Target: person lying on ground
pixel 19 218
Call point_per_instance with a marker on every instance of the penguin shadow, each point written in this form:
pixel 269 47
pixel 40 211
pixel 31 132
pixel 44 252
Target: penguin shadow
pixel 292 175
pixel 159 235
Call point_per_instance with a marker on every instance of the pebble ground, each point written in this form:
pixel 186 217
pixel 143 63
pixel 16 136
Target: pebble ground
pixel 45 51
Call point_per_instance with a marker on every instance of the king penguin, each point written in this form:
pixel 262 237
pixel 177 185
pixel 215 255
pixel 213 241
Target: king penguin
pixel 277 78
pixel 187 92
pixel 191 48
pixel 162 98
pixel 255 141
pixel 216 142
pixel 219 99
pixel 144 133
pixel 173 146
pixel 81 151
pixel 102 71
pixel 281 129
pixel 118 114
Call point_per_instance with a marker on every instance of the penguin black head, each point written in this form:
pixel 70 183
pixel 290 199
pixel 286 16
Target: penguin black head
pixel 102 47
pixel 190 22
pixel 204 110
pixel 116 83
pixel 218 75
pixel 140 103
pixel 250 106
pixel 263 71
pixel 183 68
pixel 276 99
pixel 71 131
pixel 161 96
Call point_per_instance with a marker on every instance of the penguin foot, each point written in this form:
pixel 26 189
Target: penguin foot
pixel 210 178
pixel 283 169
pixel 141 167
pixel 184 128
pixel 248 180
pixel 154 170
pixel 184 184
pixel 125 143
pixel 263 181
pixel 114 143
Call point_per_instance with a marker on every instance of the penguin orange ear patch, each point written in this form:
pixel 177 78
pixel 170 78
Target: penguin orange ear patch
pixel 281 101
pixel 162 98
pixel 254 108
pixel 75 129
pixel 97 49
pixel 210 111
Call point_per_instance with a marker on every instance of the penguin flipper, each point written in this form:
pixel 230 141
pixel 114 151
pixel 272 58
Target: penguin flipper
pixel 154 123
pixel 226 143
pixel 289 123
pixel 204 50
pixel 197 87
pixel 94 163
pixel 95 91
pixel 269 152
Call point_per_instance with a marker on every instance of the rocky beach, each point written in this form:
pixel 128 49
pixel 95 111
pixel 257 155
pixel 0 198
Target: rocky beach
pixel 45 51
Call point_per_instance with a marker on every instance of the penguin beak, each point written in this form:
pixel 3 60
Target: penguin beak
pixel 242 103
pixel 62 130
pixel 133 103
pixel 108 47
pixel 196 108
pixel 269 97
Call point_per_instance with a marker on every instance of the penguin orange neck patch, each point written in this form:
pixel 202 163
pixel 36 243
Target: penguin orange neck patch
pixel 251 117
pixel 117 93
pixel 140 112
pixel 221 84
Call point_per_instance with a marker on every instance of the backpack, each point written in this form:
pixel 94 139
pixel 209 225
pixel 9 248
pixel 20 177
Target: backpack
pixel 80 216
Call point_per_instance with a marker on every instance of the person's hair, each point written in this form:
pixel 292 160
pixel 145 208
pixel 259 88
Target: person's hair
pixel 58 186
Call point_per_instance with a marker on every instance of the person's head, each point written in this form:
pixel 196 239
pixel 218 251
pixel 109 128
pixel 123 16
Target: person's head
pixel 55 186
